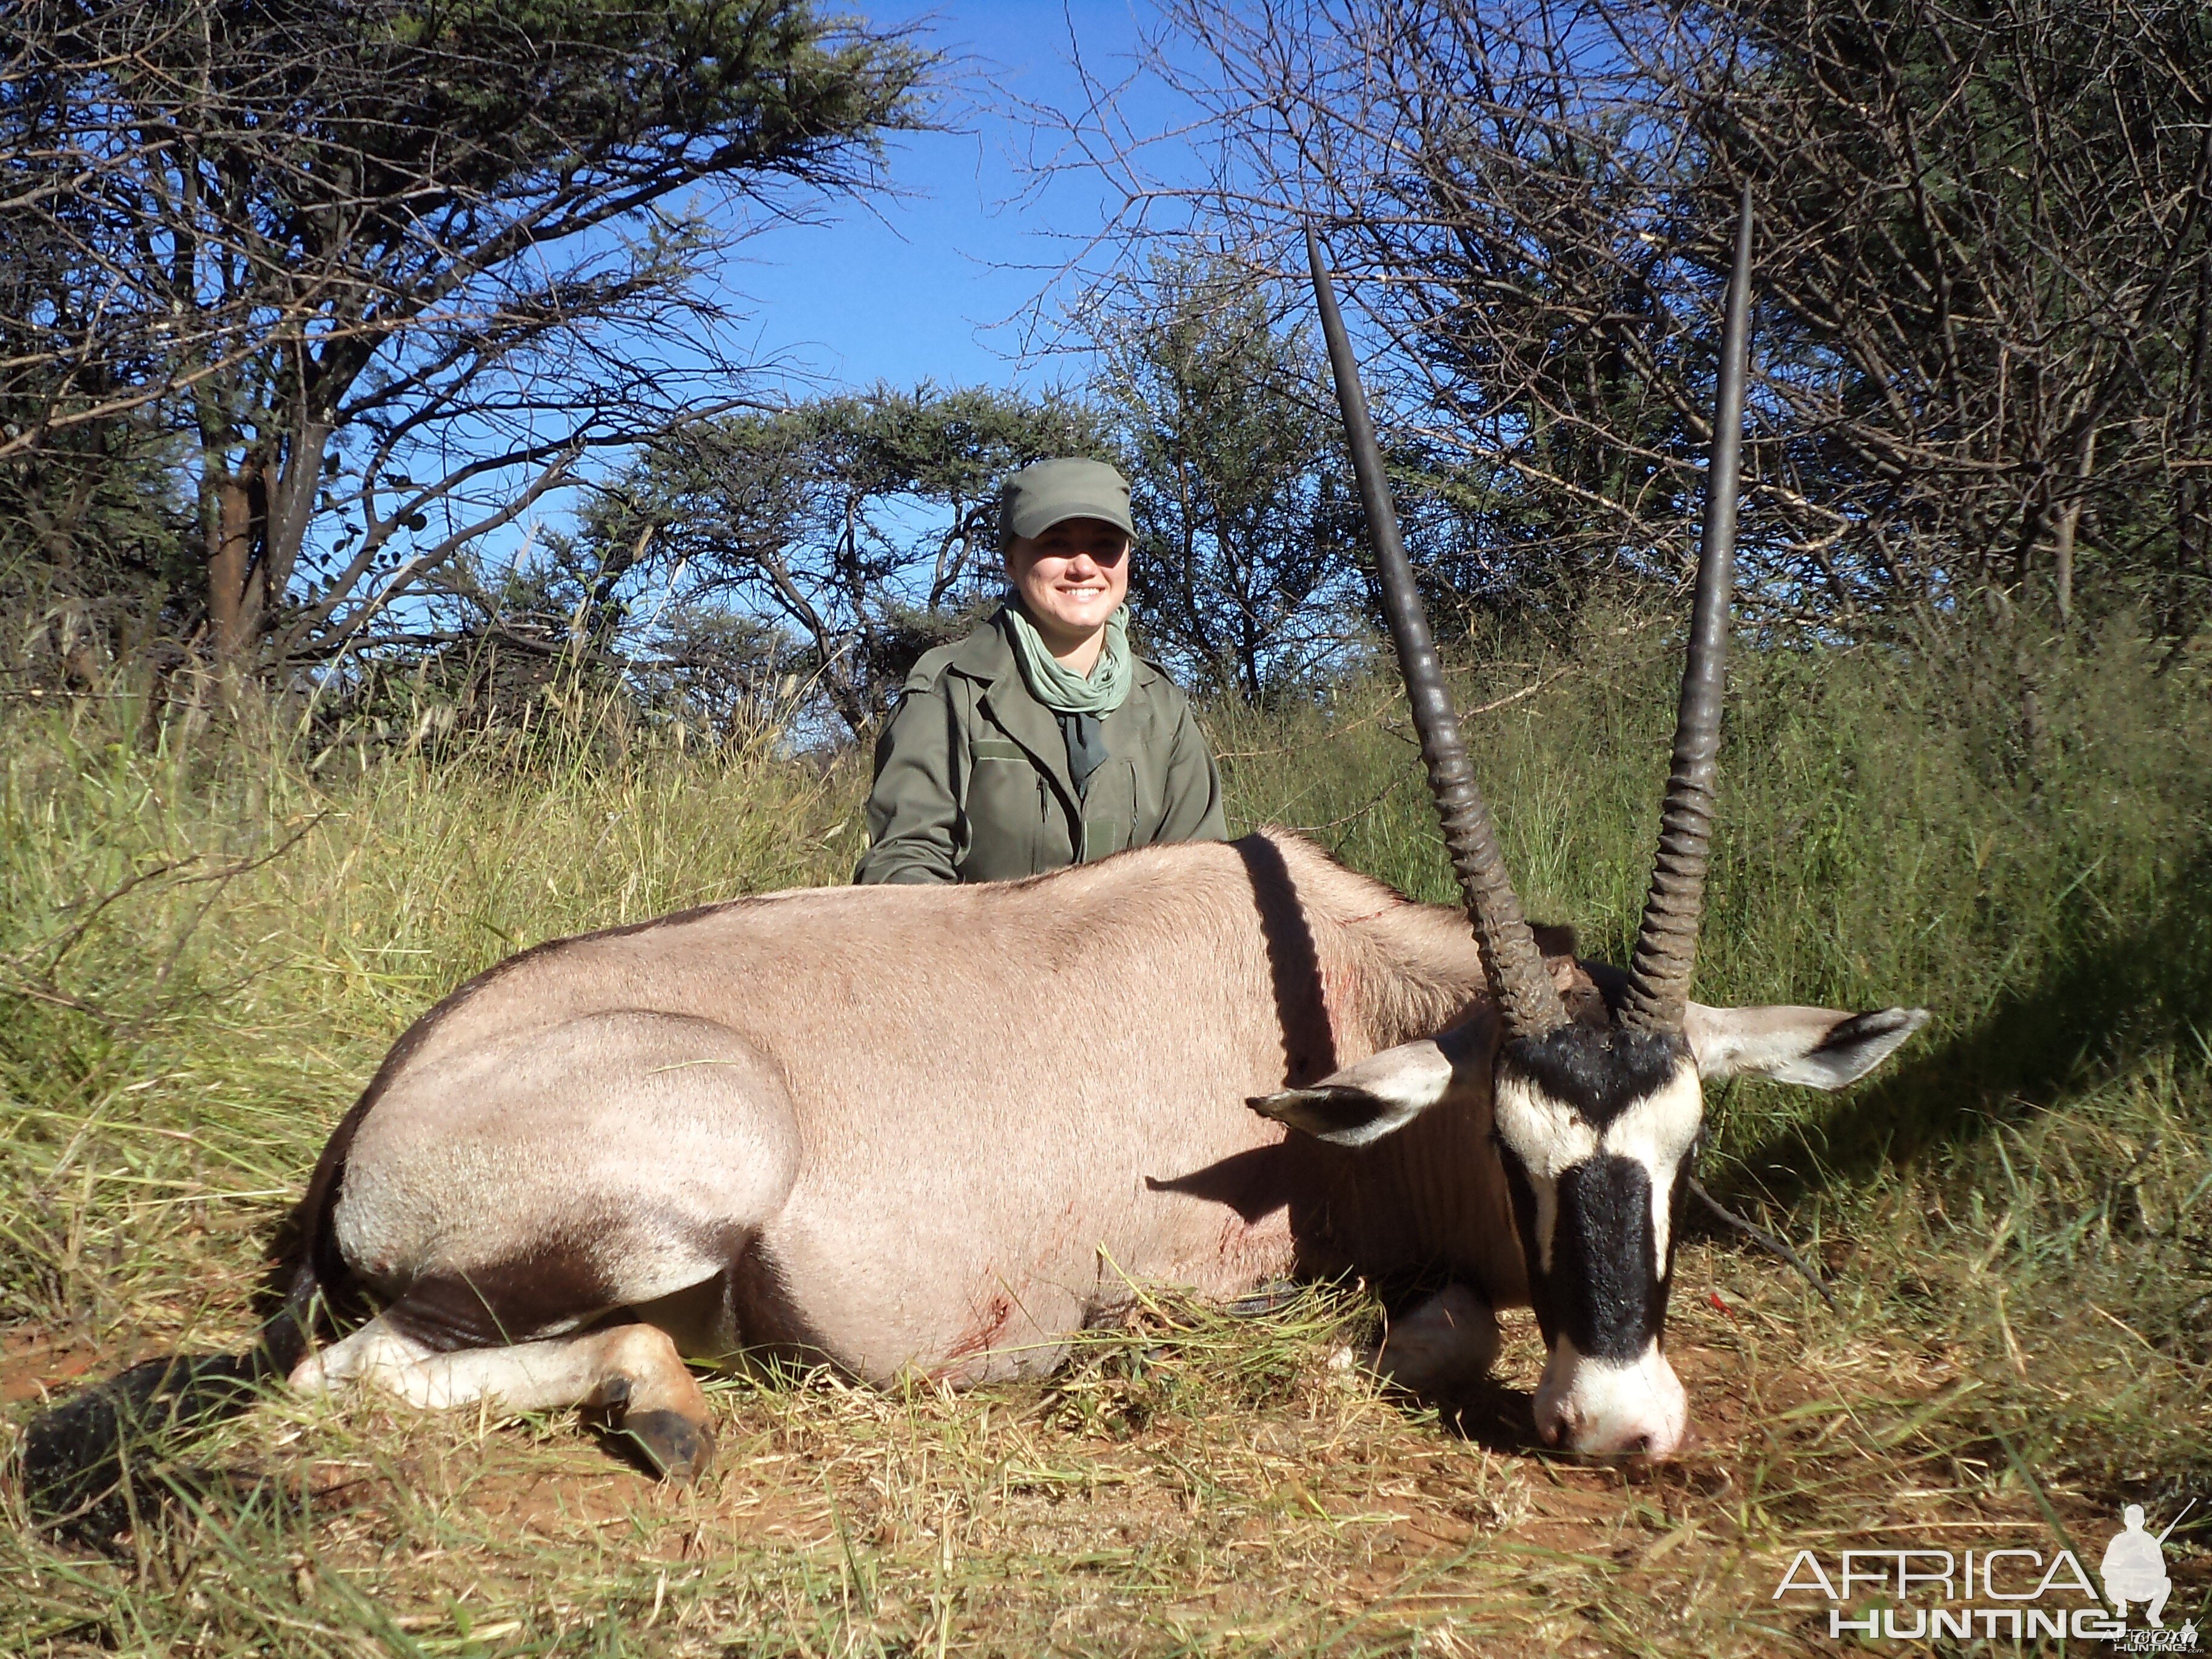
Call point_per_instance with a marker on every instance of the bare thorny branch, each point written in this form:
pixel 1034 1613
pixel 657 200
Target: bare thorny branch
pixel 1983 257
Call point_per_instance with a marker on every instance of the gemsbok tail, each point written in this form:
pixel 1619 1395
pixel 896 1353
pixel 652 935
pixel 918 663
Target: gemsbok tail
pixel 84 1462
pixel 79 1459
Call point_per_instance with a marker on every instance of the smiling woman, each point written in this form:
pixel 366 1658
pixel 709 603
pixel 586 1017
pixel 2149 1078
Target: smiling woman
pixel 1041 739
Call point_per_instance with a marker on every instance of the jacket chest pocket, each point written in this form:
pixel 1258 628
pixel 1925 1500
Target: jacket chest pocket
pixel 1010 812
pixel 1110 809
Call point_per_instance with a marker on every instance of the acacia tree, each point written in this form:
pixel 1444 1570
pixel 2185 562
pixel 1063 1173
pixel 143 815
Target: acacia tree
pixel 1245 573
pixel 1988 238
pixel 865 525
pixel 1498 221
pixel 1983 267
pixel 394 267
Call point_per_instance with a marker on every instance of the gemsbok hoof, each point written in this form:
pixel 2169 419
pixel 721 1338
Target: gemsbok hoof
pixel 647 1397
pixel 679 1451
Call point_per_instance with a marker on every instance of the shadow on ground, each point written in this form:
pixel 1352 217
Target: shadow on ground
pixel 1494 1416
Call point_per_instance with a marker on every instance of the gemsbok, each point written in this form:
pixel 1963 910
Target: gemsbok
pixel 944 1128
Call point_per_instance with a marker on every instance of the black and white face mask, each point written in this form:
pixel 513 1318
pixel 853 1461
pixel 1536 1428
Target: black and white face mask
pixel 1596 1130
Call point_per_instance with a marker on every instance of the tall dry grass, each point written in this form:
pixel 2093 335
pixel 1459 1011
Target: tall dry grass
pixel 206 942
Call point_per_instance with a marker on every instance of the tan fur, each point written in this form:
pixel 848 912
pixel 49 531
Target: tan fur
pixel 930 1126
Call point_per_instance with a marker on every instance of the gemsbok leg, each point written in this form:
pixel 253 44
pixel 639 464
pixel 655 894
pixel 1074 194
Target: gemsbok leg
pixel 514 1192
pixel 1442 1345
pixel 630 1370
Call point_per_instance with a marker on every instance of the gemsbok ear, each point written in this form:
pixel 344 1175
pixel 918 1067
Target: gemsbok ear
pixel 1364 1101
pixel 1819 1047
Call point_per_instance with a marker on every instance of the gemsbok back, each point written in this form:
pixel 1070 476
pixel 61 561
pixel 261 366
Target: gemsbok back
pixel 943 1128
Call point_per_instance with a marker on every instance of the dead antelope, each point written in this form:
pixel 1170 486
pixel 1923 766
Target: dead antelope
pixel 942 1128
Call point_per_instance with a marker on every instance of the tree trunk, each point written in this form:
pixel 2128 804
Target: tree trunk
pixel 2062 552
pixel 288 504
pixel 233 579
pixel 260 521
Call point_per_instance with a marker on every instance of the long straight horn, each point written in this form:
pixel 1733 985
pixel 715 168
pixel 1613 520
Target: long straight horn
pixel 1667 943
pixel 1509 957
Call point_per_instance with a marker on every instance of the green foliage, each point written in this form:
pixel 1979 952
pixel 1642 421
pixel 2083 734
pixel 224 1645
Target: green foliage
pixel 368 257
pixel 864 525
pixel 95 531
pixel 533 88
pixel 1947 201
pixel 93 543
pixel 205 947
pixel 1247 568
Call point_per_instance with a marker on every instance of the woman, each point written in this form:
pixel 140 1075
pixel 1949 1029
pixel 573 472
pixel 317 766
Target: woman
pixel 1040 740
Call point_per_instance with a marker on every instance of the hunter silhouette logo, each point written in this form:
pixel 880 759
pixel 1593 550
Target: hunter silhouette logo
pixel 2004 1592
pixel 2134 1568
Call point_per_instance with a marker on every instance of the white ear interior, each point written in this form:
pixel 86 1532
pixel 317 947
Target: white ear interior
pixel 1819 1048
pixel 1364 1101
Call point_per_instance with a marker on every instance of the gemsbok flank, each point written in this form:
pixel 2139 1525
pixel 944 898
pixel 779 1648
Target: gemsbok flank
pixel 944 1127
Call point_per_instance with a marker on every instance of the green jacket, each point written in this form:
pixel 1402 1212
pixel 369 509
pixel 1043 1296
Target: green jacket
pixel 972 781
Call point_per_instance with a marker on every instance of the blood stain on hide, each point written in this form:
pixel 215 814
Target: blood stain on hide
pixel 998 1310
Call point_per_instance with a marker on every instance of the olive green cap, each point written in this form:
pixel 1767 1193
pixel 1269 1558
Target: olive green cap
pixel 1041 495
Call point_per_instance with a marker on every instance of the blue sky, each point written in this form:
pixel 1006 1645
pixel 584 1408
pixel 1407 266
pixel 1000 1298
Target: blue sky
pixel 915 282
pixel 901 289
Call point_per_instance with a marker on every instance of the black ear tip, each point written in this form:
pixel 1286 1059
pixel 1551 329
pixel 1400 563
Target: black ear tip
pixel 1890 1023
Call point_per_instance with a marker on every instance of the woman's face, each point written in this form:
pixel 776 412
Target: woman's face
pixel 1071 578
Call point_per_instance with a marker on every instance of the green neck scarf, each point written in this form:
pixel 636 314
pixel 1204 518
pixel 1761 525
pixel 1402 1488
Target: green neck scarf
pixel 1100 692
pixel 1081 701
